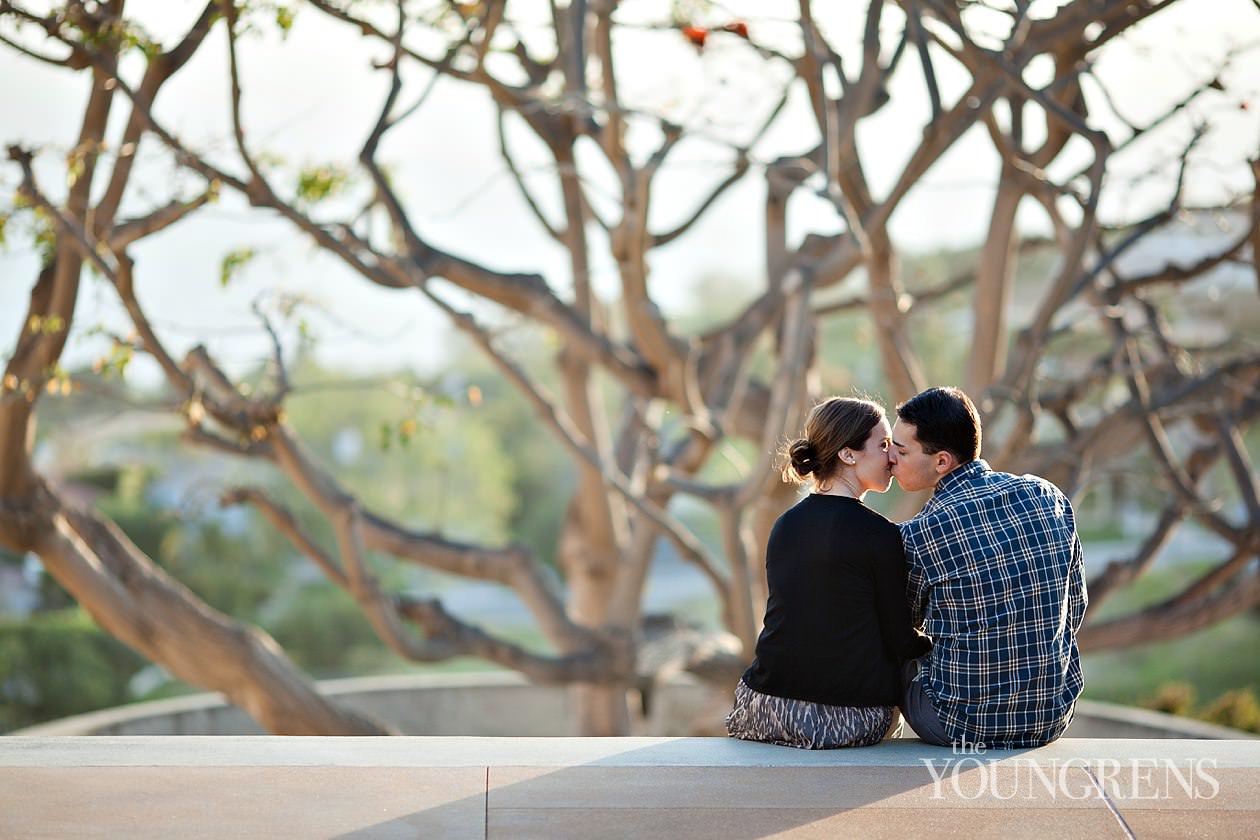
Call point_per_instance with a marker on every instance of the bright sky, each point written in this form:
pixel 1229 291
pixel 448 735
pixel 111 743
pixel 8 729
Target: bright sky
pixel 313 96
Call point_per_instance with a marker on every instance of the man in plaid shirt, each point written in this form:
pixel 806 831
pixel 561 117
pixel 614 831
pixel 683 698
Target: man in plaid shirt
pixel 995 578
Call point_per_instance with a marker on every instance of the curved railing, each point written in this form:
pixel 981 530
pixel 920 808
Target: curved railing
pixel 493 704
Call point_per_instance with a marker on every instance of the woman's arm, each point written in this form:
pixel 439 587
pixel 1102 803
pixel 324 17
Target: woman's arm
pixel 897 627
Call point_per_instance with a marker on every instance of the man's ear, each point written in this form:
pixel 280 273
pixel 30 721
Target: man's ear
pixel 944 461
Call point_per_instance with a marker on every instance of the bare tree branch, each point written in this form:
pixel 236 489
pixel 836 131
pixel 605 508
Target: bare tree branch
pixel 286 523
pixel 132 230
pixel 688 546
pixel 1164 621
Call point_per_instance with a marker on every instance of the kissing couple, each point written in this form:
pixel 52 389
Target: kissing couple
pixel 962 620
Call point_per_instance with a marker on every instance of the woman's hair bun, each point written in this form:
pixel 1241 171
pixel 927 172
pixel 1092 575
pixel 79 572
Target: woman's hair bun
pixel 804 457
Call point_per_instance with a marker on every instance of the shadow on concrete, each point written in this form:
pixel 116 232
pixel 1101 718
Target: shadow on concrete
pixel 652 792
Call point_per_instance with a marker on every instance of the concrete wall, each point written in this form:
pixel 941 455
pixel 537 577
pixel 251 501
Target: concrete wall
pixel 456 704
pixel 494 704
pixel 1111 720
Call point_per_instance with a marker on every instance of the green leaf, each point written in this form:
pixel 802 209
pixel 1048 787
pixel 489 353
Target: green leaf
pixel 406 431
pixel 115 363
pixel 234 263
pixel 284 19
pixel 45 237
pixel 321 182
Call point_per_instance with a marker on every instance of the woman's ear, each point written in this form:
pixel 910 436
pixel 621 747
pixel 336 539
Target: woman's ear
pixel 847 456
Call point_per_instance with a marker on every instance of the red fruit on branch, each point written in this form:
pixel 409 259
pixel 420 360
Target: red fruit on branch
pixel 696 35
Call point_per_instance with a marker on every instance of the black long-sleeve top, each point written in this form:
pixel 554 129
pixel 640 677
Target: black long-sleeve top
pixel 837 623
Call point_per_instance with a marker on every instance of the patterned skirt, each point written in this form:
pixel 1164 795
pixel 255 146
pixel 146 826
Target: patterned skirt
pixel 810 726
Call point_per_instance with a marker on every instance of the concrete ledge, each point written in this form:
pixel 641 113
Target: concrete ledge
pixel 458 751
pixel 457 787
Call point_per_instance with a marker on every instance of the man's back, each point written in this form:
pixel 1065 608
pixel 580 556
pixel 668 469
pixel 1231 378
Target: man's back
pixel 996 579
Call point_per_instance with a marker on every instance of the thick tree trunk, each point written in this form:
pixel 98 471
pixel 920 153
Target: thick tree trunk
pixel 601 709
pixel 765 511
pixel 993 283
pixel 590 575
pixel 892 333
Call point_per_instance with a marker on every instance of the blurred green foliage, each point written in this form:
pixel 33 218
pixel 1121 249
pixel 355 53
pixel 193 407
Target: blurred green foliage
pixel 1174 698
pixel 60 663
pixel 446 465
pixel 1237 708
pixel 322 630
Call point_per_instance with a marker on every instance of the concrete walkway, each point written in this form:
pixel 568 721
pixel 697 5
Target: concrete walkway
pixel 476 788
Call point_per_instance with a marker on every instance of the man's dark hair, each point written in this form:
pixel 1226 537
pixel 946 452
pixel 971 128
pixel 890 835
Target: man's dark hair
pixel 944 419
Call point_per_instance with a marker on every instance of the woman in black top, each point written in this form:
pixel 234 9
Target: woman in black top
pixel 837 625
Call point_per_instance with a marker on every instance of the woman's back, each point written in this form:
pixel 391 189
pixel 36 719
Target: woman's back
pixel 837 618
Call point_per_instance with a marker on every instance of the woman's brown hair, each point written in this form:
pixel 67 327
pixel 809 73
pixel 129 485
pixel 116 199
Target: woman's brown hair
pixel 833 425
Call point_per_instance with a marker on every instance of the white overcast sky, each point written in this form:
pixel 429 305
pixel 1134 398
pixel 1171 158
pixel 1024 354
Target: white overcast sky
pixel 313 96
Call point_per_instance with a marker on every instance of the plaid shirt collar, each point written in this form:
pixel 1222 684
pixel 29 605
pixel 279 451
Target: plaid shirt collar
pixel 959 478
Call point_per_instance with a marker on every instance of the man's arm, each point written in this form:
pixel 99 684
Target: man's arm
pixel 916 580
pixel 1078 596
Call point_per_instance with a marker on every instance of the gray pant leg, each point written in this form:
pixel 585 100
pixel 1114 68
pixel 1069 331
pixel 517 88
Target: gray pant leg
pixel 919 711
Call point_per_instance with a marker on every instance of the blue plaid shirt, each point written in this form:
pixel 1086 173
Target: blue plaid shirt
pixel 995 578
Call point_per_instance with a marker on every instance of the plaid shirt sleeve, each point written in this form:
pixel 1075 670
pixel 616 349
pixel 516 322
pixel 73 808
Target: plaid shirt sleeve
pixel 1078 595
pixel 996 578
pixel 916 587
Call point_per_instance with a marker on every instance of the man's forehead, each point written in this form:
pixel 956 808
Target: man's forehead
pixel 903 433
